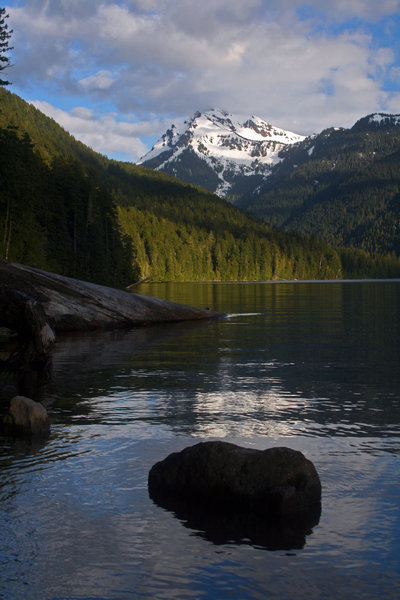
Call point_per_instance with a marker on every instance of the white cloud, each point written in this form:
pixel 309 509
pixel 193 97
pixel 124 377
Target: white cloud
pixel 105 133
pixel 279 59
pixel 102 80
pixel 395 74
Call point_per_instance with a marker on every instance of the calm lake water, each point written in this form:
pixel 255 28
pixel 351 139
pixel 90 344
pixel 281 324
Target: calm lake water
pixel 313 366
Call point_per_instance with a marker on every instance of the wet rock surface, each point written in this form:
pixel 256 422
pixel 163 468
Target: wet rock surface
pixel 26 418
pixel 275 483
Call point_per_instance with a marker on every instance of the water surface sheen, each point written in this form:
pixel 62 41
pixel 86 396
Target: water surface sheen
pixel 310 365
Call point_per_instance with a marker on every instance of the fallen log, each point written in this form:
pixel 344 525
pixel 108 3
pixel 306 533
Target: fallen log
pixel 145 280
pixel 37 304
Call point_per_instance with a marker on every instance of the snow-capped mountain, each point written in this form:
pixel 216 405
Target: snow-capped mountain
pixel 217 150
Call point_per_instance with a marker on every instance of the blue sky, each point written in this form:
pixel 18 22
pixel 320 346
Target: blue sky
pixel 117 73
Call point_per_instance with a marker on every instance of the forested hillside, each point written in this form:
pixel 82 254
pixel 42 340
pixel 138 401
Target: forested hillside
pixel 342 186
pixel 70 210
pixel 57 216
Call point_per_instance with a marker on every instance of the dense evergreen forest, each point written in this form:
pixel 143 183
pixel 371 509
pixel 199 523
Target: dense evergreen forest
pixel 67 209
pixel 57 216
pixel 343 186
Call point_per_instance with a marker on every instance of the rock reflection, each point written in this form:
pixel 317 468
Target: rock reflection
pixel 242 528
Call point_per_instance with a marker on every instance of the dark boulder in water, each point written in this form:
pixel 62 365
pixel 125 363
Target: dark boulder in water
pixel 229 494
pixel 26 418
pixel 273 483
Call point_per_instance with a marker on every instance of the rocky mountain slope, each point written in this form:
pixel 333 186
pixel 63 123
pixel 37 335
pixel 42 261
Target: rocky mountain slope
pixel 221 152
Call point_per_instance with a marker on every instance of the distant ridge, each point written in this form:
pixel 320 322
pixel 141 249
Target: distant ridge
pixel 342 186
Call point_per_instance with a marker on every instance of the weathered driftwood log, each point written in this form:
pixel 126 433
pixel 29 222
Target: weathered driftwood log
pixel 275 483
pixel 37 304
pixel 69 304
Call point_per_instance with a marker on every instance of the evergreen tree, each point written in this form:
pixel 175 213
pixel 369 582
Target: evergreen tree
pixel 5 35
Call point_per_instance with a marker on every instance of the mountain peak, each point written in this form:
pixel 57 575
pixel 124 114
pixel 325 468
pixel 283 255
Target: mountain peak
pixel 377 120
pixel 214 147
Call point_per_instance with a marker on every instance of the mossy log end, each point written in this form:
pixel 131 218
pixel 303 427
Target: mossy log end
pixel 37 304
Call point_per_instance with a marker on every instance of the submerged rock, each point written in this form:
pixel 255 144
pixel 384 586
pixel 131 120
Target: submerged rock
pixel 277 482
pixel 26 418
pixel 241 527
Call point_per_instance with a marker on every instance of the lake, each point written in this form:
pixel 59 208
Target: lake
pixel 314 366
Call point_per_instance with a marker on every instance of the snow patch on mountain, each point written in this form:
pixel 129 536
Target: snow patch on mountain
pixel 231 145
pixel 383 118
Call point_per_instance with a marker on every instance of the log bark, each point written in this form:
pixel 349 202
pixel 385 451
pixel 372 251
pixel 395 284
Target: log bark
pixel 25 315
pixel 37 304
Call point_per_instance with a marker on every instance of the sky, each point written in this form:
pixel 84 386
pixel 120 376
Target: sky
pixel 117 73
